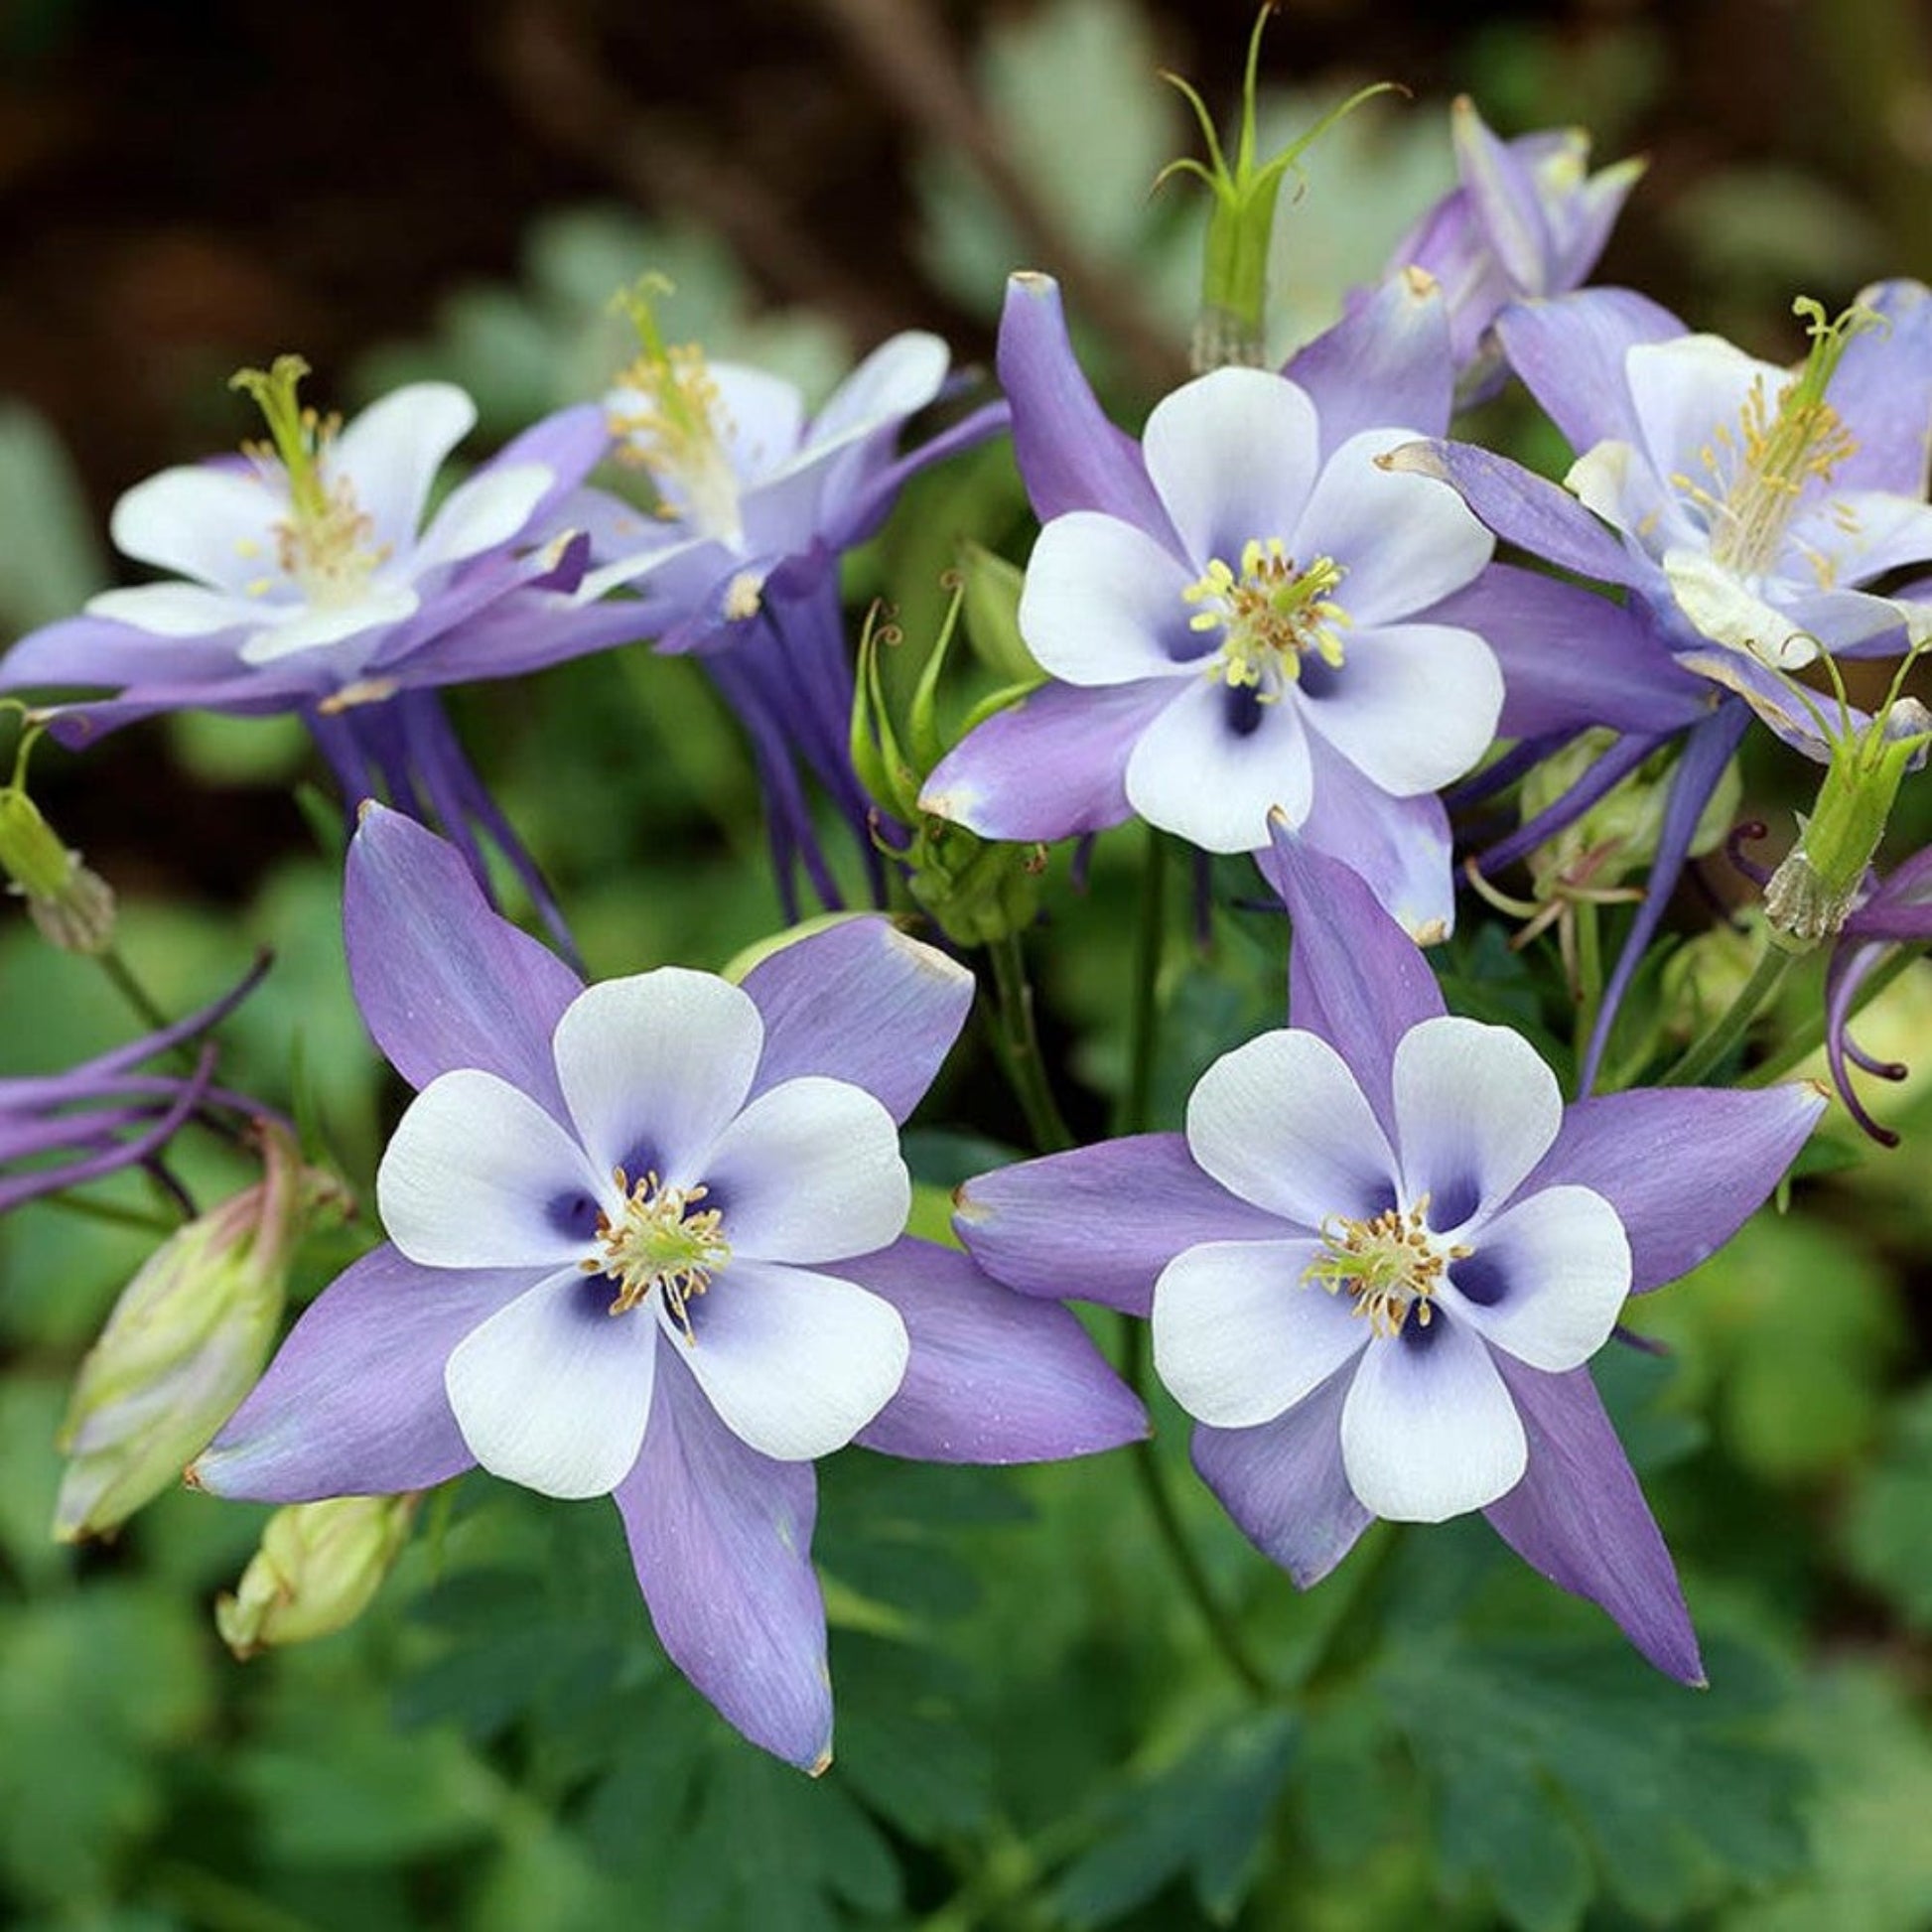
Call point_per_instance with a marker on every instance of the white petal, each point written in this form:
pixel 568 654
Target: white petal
pixel 1863 532
pixel 795 1362
pixel 482 514
pixel 1721 606
pixel 1239 1336
pixel 1233 456
pixel 1547 1279
pixel 1475 1109
pixel 901 375
pixel 318 624
pixel 655 1067
pixel 759 417
pixel 1429 1431
pixel 1615 480
pixel 1213 764
pixel 1413 707
pixel 1688 392
pixel 478 1175
pixel 214 525
pixel 554 1390
pixel 391 453
pixel 1282 1123
pixel 177 610
pixel 811 1171
pixel 1406 540
pixel 1103 604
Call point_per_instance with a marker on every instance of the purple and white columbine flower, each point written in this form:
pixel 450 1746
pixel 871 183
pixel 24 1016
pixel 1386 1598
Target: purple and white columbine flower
pixel 1527 218
pixel 1246 612
pixel 307 581
pixel 1381 1256
pixel 646 1241
pixel 757 502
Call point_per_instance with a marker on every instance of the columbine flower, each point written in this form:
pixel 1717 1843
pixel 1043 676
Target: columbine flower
pixel 757 502
pixel 1245 614
pixel 645 1241
pixel 1381 1256
pixel 309 582
pixel 59 1130
pixel 1527 218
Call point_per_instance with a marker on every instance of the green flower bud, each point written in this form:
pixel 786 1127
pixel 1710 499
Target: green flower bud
pixel 1812 893
pixel 1703 978
pixel 318 1567
pixel 183 1344
pixel 72 907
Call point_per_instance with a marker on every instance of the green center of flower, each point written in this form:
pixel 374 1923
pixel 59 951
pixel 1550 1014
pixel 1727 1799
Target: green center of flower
pixel 1755 473
pixel 1270 616
pixel 660 1238
pixel 327 545
pixel 1390 1264
pixel 675 431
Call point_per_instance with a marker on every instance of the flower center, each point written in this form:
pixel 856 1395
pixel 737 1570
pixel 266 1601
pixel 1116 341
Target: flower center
pixel 659 1239
pixel 1755 473
pixel 675 430
pixel 327 543
pixel 1271 617
pixel 1390 1264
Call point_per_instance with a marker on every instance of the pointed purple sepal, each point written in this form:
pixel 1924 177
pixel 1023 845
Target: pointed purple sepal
pixel 1385 364
pixel 1579 1518
pixel 1031 1225
pixel 1569 352
pixel 720 1537
pixel 353 1403
pixel 1881 390
pixel 442 980
pixel 994 1377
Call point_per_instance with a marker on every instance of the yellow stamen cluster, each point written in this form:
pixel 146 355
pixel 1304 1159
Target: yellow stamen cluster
pixel 1273 614
pixel 1759 468
pixel 326 546
pixel 658 1241
pixel 1390 1264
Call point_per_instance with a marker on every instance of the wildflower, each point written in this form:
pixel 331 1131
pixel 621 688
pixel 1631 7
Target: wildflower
pixel 1383 1253
pixel 645 1241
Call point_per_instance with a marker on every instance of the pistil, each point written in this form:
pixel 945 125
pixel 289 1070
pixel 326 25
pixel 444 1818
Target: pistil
pixel 1272 615
pixel 1390 1263
pixel 659 1239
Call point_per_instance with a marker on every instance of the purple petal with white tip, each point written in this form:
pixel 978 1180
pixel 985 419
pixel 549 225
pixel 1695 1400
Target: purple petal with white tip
pixel 1684 1168
pixel 1031 1225
pixel 353 1403
pixel 1579 1517
pixel 443 981
pixel 720 1538
pixel 993 1376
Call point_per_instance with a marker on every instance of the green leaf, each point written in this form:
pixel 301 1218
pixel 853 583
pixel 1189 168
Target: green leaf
pixel 902 1745
pixel 51 562
pixel 1889 1528
pixel 1204 1816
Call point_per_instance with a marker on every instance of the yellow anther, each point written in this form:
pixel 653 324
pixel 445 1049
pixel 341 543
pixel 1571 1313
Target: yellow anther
pixel 1390 1263
pixel 658 1241
pixel 1273 614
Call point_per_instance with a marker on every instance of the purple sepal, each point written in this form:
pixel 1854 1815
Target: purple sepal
pixel 720 1537
pixel 1684 1167
pixel 1384 362
pixel 102 650
pixel 1599 779
pixel 1353 975
pixel 1882 389
pixel 569 444
pixel 1528 511
pixel 1399 847
pixel 1850 965
pixel 861 518
pixel 1580 1519
pixel 1569 352
pixel 442 980
pixel 1052 766
pixel 860 1002
pixel 1070 456
pixel 1901 906
pixel 994 1377
pixel 354 1405
pixel 1283 1482
pixel 1031 1225
pixel 1571 658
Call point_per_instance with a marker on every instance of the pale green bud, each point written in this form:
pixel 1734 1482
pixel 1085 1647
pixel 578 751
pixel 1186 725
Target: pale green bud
pixel 318 1567
pixel 183 1344
pixel 1703 979
pixel 72 907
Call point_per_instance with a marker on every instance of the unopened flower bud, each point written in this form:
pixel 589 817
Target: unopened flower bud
pixel 1703 979
pixel 72 907
pixel 183 1344
pixel 318 1567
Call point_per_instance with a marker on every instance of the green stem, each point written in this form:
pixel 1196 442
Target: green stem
pixel 1808 1037
pixel 136 995
pixel 1590 975
pixel 1138 1096
pixel 1019 1041
pixel 1704 1055
pixel 1215 1615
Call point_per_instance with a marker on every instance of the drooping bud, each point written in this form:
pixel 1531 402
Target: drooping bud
pixel 318 1567
pixel 1813 892
pixel 184 1343
pixel 1232 326
pixel 72 906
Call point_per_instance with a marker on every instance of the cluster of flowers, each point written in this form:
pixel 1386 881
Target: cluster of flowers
pixel 647 1237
